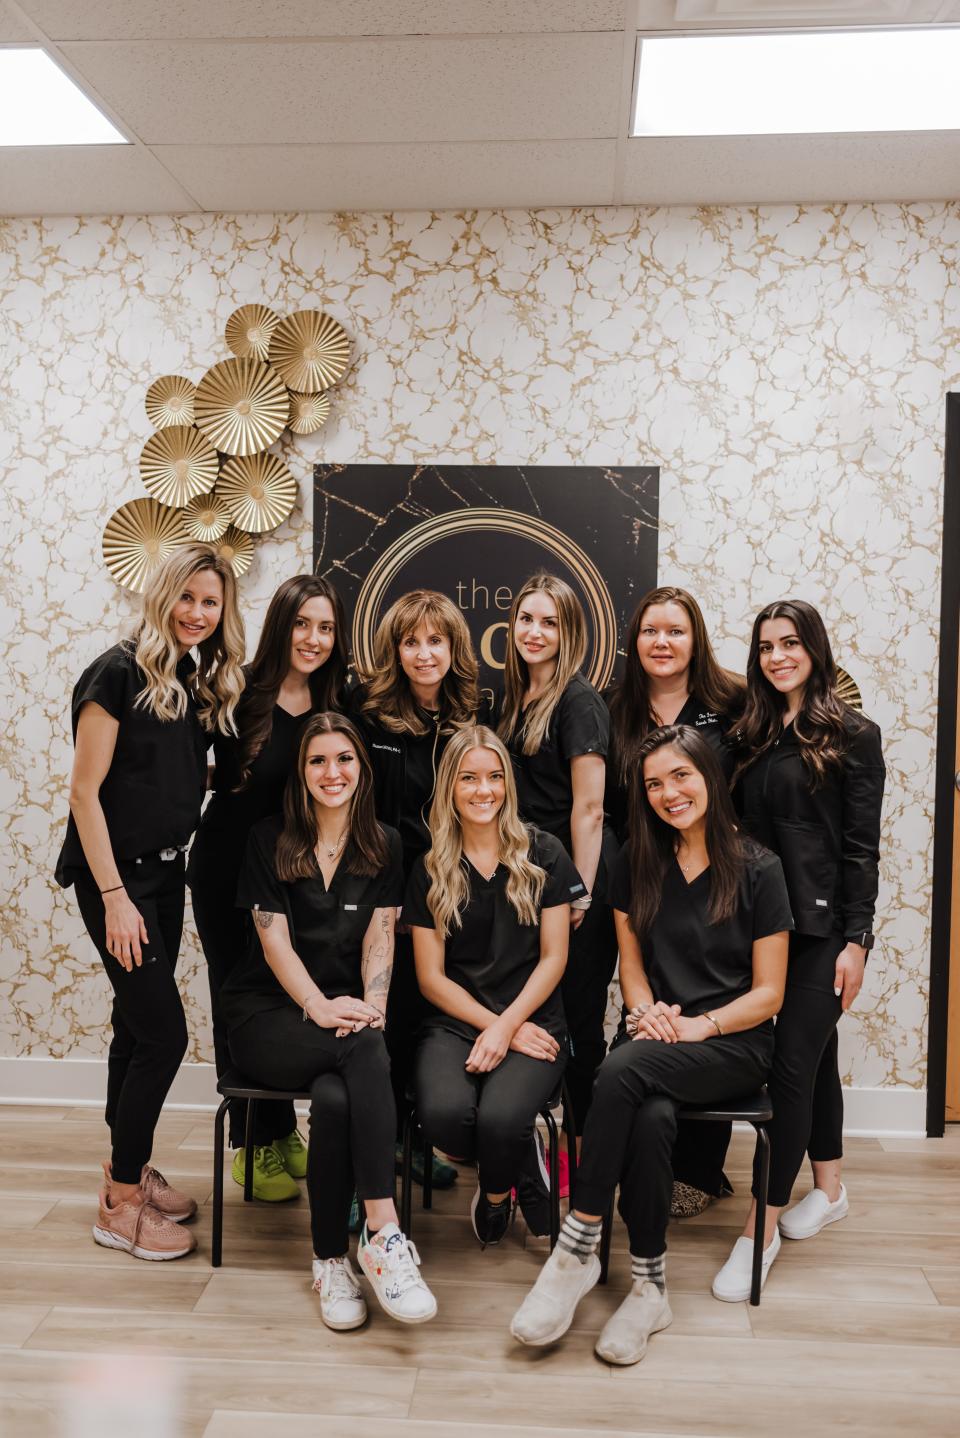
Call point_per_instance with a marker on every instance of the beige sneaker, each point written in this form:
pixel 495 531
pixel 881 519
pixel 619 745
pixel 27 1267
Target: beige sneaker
pixel 644 1311
pixel 139 1229
pixel 166 1200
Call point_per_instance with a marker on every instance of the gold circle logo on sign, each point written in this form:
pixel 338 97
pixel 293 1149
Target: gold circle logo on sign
pixel 596 596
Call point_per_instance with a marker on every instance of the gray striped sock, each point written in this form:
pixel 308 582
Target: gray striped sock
pixel 579 1237
pixel 650 1270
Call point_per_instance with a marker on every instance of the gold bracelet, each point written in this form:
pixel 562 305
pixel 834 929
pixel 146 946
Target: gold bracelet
pixel 715 1024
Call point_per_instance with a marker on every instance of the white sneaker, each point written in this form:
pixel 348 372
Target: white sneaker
pixel 645 1310
pixel 732 1283
pixel 547 1311
pixel 806 1218
pixel 342 1305
pixel 391 1262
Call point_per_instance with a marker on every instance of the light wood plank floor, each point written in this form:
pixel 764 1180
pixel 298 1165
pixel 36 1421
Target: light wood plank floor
pixel 858 1332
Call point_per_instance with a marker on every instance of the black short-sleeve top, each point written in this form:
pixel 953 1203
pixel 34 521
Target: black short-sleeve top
pixel 492 954
pixel 690 961
pixel 326 926
pixel 580 724
pixel 154 789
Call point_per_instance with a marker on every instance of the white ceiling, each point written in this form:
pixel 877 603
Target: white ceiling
pixel 424 104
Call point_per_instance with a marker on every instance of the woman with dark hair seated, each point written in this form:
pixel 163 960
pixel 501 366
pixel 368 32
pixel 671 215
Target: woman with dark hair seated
pixel 702 919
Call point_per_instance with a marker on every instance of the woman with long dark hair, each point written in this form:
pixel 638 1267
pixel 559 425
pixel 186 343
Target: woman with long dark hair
pixel 323 884
pixel 143 714
pixel 557 728
pixel 809 784
pixel 488 906
pixel 299 669
pixel 702 920
pixel 671 676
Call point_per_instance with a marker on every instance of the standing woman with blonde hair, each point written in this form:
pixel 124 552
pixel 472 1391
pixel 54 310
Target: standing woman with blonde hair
pixel 488 905
pixel 142 718
pixel 421 687
pixel 557 730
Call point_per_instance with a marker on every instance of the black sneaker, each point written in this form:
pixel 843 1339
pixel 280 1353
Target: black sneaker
pixel 490 1220
pixel 533 1189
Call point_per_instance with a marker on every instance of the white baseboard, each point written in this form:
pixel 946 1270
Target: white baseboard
pixel 867 1111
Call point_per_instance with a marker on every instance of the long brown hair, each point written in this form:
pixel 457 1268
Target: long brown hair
pixel 632 716
pixel 824 723
pixel 296 854
pixel 572 632
pixel 388 698
pixel 271 664
pixel 653 842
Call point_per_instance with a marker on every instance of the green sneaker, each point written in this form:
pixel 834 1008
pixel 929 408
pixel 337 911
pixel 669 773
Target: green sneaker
pixel 444 1174
pixel 293 1154
pixel 271 1182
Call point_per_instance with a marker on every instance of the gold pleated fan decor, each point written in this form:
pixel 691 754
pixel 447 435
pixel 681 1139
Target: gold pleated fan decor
pixel 206 466
pixel 848 690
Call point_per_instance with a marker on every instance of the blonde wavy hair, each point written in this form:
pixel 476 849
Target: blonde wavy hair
pixel 445 864
pixel 388 698
pixel 572 629
pixel 218 682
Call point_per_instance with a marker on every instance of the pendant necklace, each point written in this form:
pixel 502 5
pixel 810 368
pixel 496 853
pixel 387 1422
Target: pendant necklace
pixel 332 853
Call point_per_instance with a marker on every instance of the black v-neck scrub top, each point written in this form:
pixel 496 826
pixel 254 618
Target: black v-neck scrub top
pixel 580 724
pixel 492 954
pixel 690 961
pixel 155 786
pixel 326 925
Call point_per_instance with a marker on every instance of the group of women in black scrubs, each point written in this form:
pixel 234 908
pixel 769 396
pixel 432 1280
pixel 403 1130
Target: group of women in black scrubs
pixel 338 805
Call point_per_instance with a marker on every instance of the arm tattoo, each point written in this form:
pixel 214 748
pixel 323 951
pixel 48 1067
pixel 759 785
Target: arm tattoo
pixel 263 920
pixel 380 983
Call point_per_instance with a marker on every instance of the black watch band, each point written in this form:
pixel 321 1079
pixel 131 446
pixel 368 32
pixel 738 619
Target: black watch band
pixel 865 939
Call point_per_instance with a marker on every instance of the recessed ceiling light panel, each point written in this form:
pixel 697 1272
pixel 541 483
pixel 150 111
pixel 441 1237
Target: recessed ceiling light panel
pixel 41 105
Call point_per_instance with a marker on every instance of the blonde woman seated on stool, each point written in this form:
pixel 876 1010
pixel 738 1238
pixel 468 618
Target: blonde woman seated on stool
pixel 702 919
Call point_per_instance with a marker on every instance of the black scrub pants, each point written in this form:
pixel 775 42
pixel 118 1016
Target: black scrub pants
pixel 632 1124
pixel 585 987
pixel 149 1027
pixel 225 933
pixel 487 1118
pixel 406 1011
pixel 352 1118
pixel 804 1079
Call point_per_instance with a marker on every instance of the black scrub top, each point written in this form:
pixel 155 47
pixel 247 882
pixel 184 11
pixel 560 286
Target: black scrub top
pixel 492 954
pixel 155 786
pixel 326 925
pixel 828 837
pixel 690 961
pixel 218 850
pixel 580 724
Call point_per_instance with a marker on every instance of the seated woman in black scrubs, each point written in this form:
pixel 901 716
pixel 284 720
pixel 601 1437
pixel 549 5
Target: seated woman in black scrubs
pixel 142 716
pixel 703 919
pixel 671 676
pixel 422 687
pixel 488 907
pixel 810 785
pixel 557 729
pixel 323 884
pixel 299 669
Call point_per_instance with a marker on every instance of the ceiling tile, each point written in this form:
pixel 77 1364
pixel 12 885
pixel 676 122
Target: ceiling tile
pixel 731 170
pixel 87 180
pixel 769 14
pixel 239 19
pixel 522 174
pixel 12 29
pixel 490 88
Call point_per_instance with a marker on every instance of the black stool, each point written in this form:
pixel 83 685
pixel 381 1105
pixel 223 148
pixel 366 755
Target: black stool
pixel 756 1110
pixel 561 1096
pixel 235 1085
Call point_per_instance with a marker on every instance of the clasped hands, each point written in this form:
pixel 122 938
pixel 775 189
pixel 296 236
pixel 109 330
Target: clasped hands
pixel 666 1023
pixel 493 1044
pixel 345 1015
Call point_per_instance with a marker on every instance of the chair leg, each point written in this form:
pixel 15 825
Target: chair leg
pixel 763 1143
pixel 427 1173
pixel 406 1173
pixel 248 1152
pixel 554 1138
pixel 606 1234
pixel 570 1130
pixel 218 1136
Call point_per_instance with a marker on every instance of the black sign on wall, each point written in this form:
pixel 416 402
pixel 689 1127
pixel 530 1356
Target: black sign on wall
pixel 476 533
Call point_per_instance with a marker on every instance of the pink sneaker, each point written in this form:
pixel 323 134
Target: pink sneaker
pixel 139 1229
pixel 166 1200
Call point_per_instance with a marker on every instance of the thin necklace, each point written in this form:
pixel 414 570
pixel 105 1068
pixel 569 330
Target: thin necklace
pixel 332 853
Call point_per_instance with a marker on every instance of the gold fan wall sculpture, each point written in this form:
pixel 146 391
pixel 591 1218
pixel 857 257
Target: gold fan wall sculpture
pixel 207 518
pixel 178 463
pixel 308 412
pixel 138 538
pixel 236 548
pixel 242 406
pixel 170 401
pixel 259 491
pixel 310 351
pixel 249 330
pixel 848 690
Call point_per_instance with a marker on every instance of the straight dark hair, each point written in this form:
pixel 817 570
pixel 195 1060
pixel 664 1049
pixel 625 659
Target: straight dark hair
pixel 653 842
pixel 824 724
pixel 271 664
pixel 366 850
pixel 632 716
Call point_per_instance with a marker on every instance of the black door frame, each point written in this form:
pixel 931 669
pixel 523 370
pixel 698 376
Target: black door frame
pixel 944 782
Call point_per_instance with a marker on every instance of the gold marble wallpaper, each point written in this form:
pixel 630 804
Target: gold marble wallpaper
pixel 785 366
